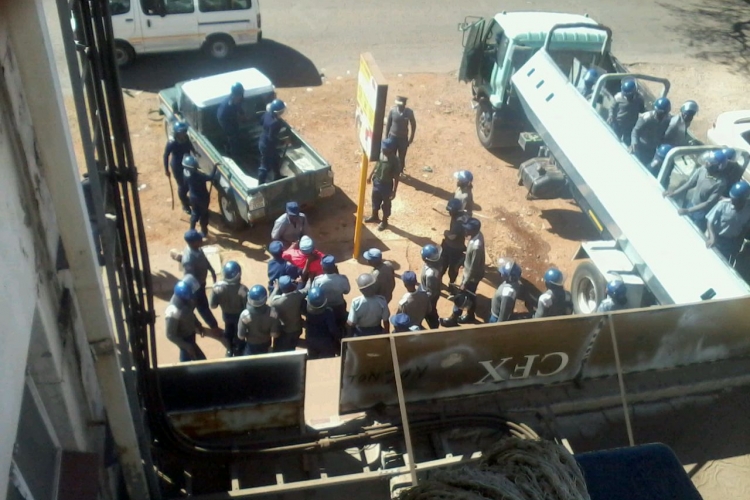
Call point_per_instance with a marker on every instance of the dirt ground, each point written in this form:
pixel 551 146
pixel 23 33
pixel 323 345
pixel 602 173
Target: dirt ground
pixel 537 233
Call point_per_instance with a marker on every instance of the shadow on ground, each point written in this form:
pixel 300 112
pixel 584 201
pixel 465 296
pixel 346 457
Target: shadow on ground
pixel 285 66
pixel 571 224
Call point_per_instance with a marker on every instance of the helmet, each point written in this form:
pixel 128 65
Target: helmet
pixel 286 284
pixel 316 298
pixel 740 191
pixel 616 289
pixel 180 127
pixel 430 253
pixel 553 277
pixel 257 296
pixel 193 236
pixel 373 254
pixel 189 161
pixel 716 159
pixel 275 248
pixel 238 89
pixel 306 244
pixel 590 78
pixel 183 290
pixel 365 280
pixel 463 176
pixel 510 271
pixel 231 271
pixel 689 108
pixel 662 104
pixel 277 106
pixel 401 321
pixel 409 277
pixel 628 86
pixel 472 226
pixel 453 205
pixel 729 153
pixel 662 150
pixel 388 144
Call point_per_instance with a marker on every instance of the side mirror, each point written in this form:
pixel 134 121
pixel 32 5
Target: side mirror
pixel 462 26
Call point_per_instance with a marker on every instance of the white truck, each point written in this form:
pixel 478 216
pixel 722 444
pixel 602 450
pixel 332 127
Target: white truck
pixel 524 68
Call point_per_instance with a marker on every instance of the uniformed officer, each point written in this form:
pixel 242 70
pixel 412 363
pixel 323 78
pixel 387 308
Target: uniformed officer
pixel 658 160
pixel 290 226
pixel 195 263
pixel 287 303
pixel 707 185
pixel 587 83
pixel 368 314
pixel 334 286
pixel 677 131
pixel 384 180
pixel 257 324
pixel 472 275
pixel 617 297
pixel 231 296
pixel 322 336
pixel 623 114
pixel 463 192
pixel 305 257
pixel 733 171
pixel 177 147
pixel 182 323
pixel 729 221
pixel 454 243
pixel 401 127
pixel 273 130
pixel 402 323
pixel 415 302
pixel 504 301
pixel 649 130
pixel 385 276
pixel 198 194
pixel 230 114
pixel 555 301
pixel 277 266
pixel 430 281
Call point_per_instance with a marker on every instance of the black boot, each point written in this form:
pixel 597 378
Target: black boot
pixel 450 321
pixel 467 318
pixel 383 225
pixel 373 218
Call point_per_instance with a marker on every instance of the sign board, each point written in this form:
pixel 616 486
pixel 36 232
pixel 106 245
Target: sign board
pixel 372 91
pixel 455 362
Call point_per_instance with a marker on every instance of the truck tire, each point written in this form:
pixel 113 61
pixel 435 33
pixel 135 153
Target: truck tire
pixel 229 212
pixel 587 288
pixel 124 54
pixel 219 46
pixel 485 124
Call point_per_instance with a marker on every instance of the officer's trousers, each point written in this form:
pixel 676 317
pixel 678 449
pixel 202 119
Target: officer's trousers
pixel 184 356
pixel 201 305
pixel 270 161
pixel 235 345
pixel 381 197
pixel 402 146
pixel 199 213
pixel 471 286
pixel 182 187
pixel 287 341
pixel 432 318
pixel 451 258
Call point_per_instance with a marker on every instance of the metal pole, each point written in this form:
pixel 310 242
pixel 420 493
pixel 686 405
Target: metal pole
pixel 358 224
pixel 621 381
pixel 402 408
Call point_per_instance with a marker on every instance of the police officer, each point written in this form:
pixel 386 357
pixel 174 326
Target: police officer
pixel 177 147
pixel 504 300
pixel 430 280
pixel 729 221
pixel 463 193
pixel 277 266
pixel 555 301
pixel 623 114
pixel 198 194
pixel 707 185
pixel 287 301
pixel 290 226
pixel 334 286
pixel 273 128
pixel 617 297
pixel 472 275
pixel 402 323
pixel 454 244
pixel 658 160
pixel 415 303
pixel 385 276
pixel 587 83
pixel 677 131
pixel 195 263
pixel 368 314
pixel 230 114
pixel 384 180
pixel 231 296
pixel 733 171
pixel 649 130
pixel 401 127
pixel 182 324
pixel 257 324
pixel 322 336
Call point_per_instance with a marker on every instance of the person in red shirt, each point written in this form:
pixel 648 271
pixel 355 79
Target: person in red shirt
pixel 306 257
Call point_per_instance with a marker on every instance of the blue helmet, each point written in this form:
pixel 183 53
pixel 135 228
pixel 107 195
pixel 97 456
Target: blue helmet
pixel 590 78
pixel 183 290
pixel 286 284
pixel 192 282
pixel 689 108
pixel 729 153
pixel 472 226
pixel 740 191
pixel 662 150
pixel 510 271
pixel 238 90
pixel 257 296
pixel 430 253
pixel 231 271
pixel 388 144
pixel 553 277
pixel 453 205
pixel 277 106
pixel 189 161
pixel 409 277
pixel 463 177
pixel 716 159
pixel 628 86
pixel 193 236
pixel 275 248
pixel 316 298
pixel 663 104
pixel 180 127
pixel 401 321
pixel 616 289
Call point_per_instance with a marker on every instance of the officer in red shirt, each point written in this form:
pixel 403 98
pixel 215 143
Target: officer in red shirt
pixel 306 257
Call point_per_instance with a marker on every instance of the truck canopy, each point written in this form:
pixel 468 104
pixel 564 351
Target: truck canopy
pixel 212 90
pixel 531 28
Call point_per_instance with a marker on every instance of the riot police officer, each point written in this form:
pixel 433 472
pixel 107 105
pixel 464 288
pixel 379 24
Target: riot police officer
pixel 258 325
pixel 649 130
pixel 617 297
pixel 677 131
pixel 453 245
pixel 368 313
pixel 623 114
pixel 270 139
pixel 729 221
pixel 231 296
pixel 555 301
pixel 430 281
pixel 230 115
pixel 181 323
pixel 198 193
pixel 177 147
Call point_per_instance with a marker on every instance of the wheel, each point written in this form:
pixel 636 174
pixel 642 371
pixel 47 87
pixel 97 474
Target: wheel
pixel 229 212
pixel 124 54
pixel 587 288
pixel 220 47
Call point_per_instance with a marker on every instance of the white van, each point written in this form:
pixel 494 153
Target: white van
pixel 149 26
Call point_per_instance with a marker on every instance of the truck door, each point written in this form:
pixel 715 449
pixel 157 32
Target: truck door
pixel 124 20
pixel 169 25
pixel 473 50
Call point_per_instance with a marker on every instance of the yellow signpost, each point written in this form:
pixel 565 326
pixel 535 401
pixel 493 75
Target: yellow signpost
pixel 372 91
